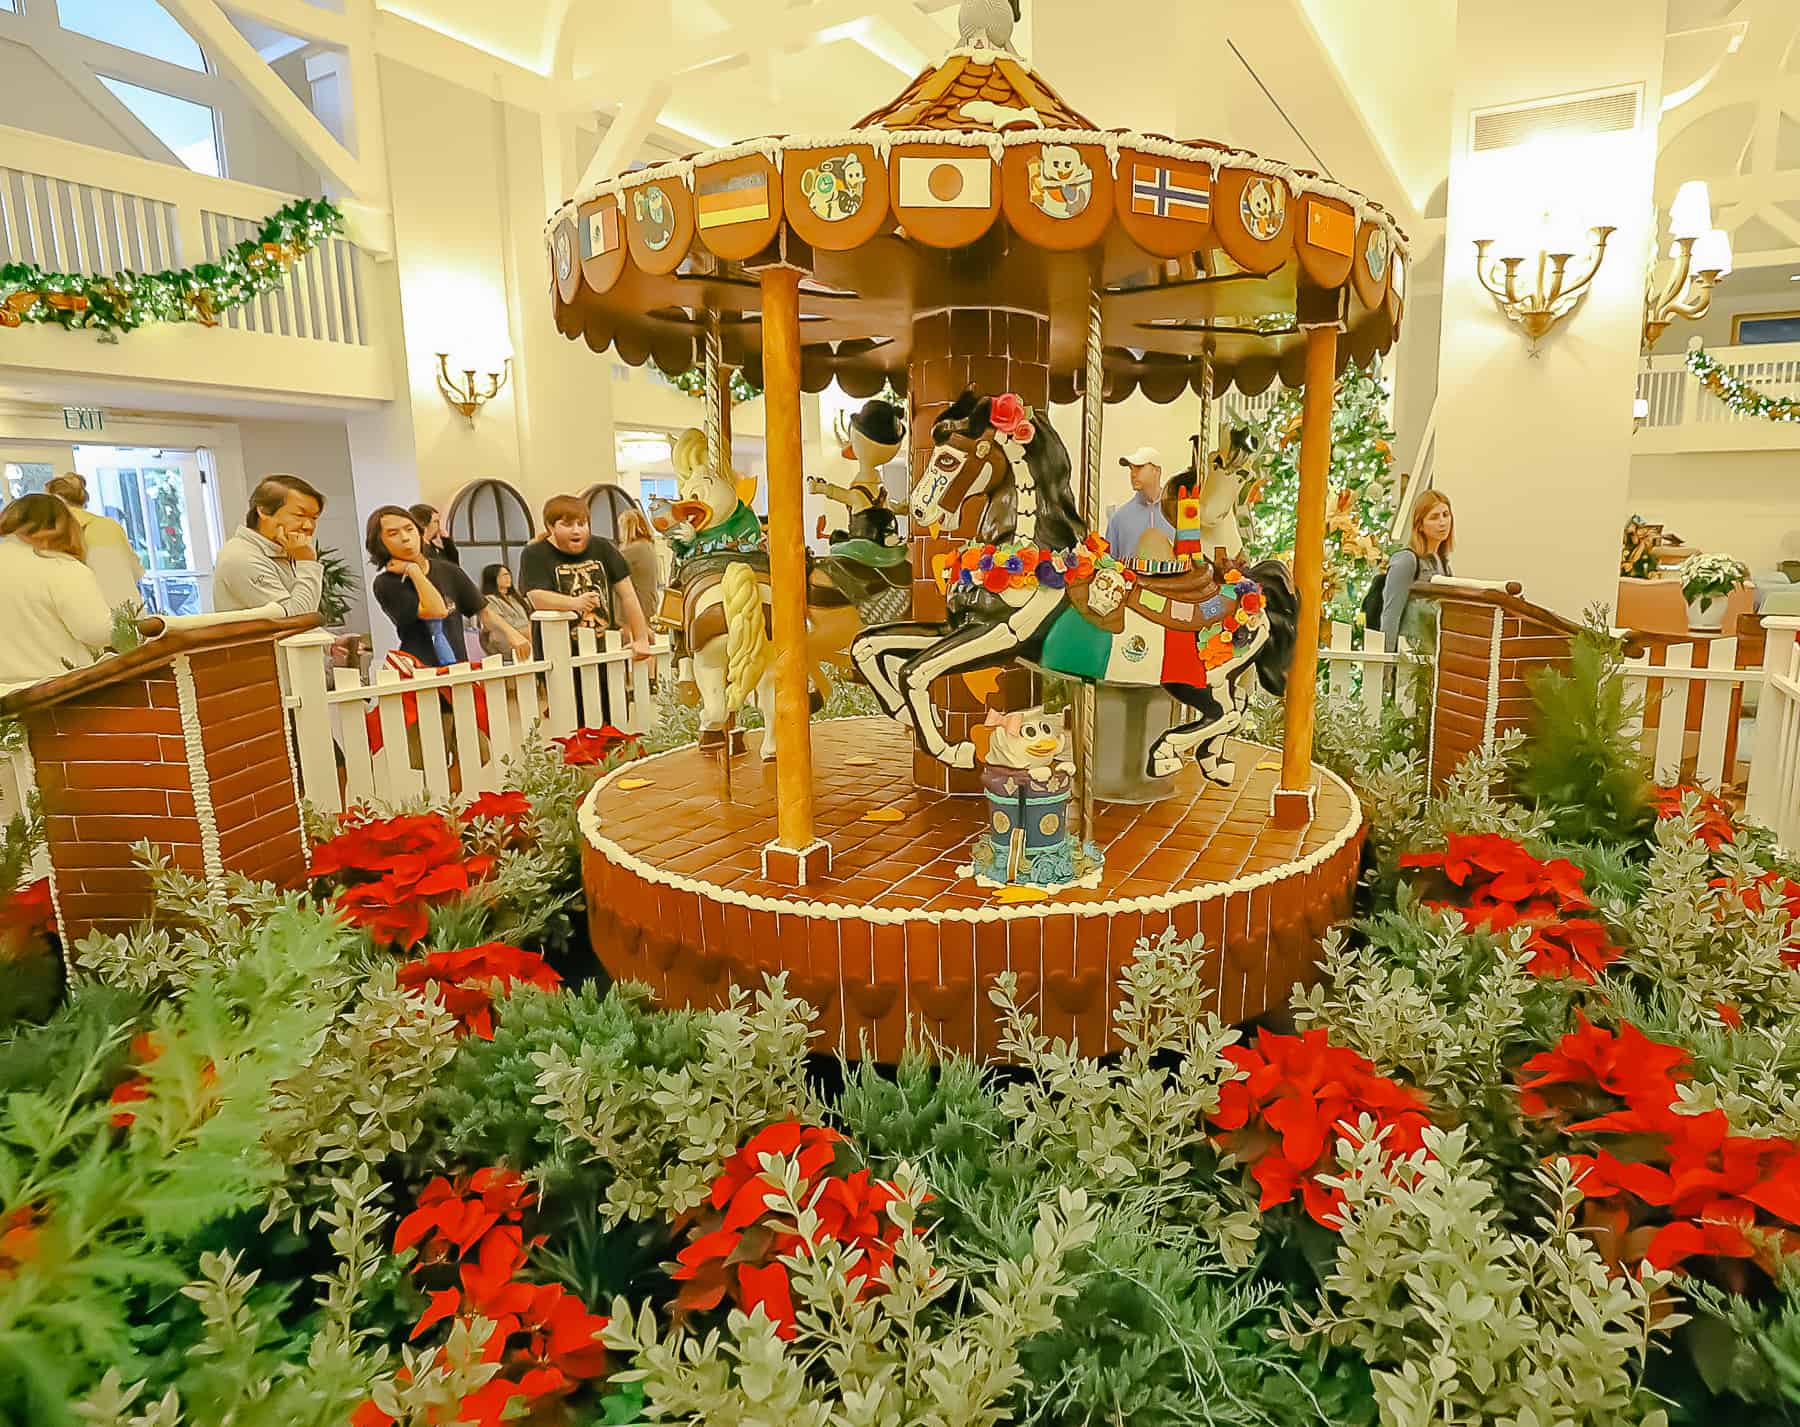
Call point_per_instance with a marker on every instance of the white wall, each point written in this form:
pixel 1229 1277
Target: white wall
pixel 1741 503
pixel 1535 452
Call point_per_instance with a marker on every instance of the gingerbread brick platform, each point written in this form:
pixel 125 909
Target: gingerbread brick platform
pixel 180 742
pixel 676 898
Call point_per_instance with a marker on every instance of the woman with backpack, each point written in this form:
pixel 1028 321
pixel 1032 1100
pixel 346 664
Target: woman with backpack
pixel 1426 553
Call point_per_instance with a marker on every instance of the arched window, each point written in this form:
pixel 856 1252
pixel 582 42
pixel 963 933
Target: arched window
pixel 490 523
pixel 606 503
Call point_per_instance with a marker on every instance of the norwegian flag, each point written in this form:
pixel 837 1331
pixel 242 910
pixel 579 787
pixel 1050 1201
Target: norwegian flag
pixel 1158 191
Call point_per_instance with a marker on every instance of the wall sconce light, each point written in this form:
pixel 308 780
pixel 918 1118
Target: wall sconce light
pixel 470 395
pixel 1555 293
pixel 1701 257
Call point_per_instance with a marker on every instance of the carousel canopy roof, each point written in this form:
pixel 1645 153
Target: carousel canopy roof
pixel 980 187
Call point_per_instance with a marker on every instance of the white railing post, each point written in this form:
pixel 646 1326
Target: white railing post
pixel 1775 757
pixel 559 675
pixel 304 656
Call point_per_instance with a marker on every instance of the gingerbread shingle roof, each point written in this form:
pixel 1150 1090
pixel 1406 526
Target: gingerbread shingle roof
pixel 976 94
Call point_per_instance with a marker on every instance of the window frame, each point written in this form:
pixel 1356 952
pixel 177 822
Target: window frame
pixel 461 506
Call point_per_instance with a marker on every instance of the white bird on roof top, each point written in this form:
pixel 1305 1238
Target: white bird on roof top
pixel 988 23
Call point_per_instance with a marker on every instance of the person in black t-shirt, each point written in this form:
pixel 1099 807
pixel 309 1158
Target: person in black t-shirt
pixel 435 539
pixel 571 568
pixel 426 596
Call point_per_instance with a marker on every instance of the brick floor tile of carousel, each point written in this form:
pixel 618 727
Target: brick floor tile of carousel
pixel 895 934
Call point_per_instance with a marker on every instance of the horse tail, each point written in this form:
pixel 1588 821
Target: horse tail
pixel 1281 608
pixel 747 649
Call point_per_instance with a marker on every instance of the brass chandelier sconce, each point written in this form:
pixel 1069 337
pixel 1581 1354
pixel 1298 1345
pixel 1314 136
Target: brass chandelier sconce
pixel 470 394
pixel 1700 260
pixel 1553 295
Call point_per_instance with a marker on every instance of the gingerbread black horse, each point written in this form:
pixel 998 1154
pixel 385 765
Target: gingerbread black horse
pixel 1040 589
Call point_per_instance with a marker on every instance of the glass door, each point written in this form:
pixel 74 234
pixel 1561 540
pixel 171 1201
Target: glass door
pixel 26 469
pixel 162 499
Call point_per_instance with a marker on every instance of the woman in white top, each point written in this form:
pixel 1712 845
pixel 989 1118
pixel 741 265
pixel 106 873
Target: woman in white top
pixel 54 617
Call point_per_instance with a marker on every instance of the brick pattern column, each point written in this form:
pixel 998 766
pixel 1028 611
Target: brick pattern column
pixel 114 768
pixel 995 351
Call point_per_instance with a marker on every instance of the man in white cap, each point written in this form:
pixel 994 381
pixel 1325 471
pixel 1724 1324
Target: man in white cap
pixel 1141 514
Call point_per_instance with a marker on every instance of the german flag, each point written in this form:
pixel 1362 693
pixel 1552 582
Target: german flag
pixel 741 198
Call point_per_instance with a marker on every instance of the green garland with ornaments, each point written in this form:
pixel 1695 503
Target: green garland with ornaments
pixel 115 303
pixel 693 383
pixel 1741 396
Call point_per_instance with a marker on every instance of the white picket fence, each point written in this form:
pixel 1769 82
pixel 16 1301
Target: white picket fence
pixel 1708 750
pixel 524 701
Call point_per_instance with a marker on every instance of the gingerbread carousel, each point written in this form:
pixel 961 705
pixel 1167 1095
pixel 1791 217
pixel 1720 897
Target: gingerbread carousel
pixel 987 251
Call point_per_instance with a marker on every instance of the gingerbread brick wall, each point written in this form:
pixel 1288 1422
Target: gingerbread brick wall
pixel 239 698
pixel 1468 633
pixel 113 766
pixel 112 770
pixel 995 352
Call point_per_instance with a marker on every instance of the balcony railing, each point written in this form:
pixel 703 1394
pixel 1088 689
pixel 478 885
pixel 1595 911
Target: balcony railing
pixel 1684 416
pixel 72 208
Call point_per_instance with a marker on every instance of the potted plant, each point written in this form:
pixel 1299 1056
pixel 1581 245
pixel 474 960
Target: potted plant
pixel 1706 582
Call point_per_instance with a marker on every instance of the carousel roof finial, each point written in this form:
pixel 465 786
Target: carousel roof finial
pixel 989 23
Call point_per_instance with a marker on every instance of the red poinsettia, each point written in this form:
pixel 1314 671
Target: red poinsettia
pixel 456 1214
pixel 511 808
pixel 1297 1096
pixel 19 1233
pixel 396 907
pixel 1660 1186
pixel 26 914
pixel 1495 884
pixel 464 980
pixel 367 847
pixel 589 746
pixel 1715 828
pixel 544 1336
pixel 738 1245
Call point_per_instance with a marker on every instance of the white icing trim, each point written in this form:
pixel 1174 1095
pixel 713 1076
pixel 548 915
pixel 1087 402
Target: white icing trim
pixel 883 141
pixel 802 854
pixel 889 916
pixel 1309 792
pixel 212 862
pixel 287 736
pixel 1437 665
pixel 1493 689
pixel 25 774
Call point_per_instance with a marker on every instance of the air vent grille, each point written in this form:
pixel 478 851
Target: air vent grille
pixel 1613 111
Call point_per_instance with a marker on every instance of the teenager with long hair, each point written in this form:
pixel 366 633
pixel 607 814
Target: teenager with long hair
pixel 1432 533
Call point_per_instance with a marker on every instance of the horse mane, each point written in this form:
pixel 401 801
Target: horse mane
pixel 1059 521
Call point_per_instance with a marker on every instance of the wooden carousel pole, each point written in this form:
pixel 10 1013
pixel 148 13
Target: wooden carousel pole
pixel 1293 805
pixel 718 399
pixel 796 856
pixel 1092 417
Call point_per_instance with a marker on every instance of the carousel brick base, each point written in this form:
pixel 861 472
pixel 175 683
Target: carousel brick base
pixel 892 935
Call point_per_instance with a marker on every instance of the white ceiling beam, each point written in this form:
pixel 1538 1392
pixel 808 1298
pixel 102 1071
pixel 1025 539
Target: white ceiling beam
pixel 309 22
pixel 278 104
pixel 623 138
pixel 420 47
pixel 786 29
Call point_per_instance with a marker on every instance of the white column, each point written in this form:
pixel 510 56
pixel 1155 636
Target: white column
pixel 1535 452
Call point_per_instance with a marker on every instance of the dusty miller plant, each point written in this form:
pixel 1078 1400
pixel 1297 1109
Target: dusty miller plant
pixel 1702 945
pixel 361 1095
pixel 1138 1122
pixel 665 1133
pixel 1463 1320
pixel 896 1358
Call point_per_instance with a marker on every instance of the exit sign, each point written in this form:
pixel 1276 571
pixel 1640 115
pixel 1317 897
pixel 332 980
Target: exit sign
pixel 84 418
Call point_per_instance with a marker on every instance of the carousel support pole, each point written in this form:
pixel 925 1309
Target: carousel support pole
pixel 797 856
pixel 1207 440
pixel 1293 803
pixel 1087 695
pixel 718 407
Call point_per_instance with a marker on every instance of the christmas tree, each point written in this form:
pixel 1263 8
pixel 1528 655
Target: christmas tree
pixel 1359 501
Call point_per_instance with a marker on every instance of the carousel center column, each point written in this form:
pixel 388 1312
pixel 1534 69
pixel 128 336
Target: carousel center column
pixel 995 350
pixel 797 856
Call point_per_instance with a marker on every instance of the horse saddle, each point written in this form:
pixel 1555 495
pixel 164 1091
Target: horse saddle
pixel 1189 600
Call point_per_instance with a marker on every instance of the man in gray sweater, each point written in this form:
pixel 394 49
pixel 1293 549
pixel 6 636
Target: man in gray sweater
pixel 270 558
